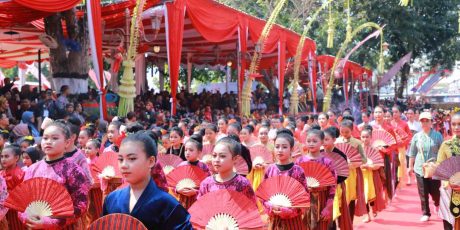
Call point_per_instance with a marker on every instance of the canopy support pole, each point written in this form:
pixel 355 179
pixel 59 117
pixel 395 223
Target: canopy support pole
pixel 39 71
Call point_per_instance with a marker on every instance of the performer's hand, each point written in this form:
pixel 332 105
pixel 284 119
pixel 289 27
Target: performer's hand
pixel 35 222
pixel 326 214
pixel 410 170
pixel 188 192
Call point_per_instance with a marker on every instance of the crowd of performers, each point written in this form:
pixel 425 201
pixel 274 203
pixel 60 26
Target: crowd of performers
pixel 376 167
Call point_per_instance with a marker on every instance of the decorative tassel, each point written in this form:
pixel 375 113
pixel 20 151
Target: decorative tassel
pixel 381 63
pixel 330 30
pixel 349 28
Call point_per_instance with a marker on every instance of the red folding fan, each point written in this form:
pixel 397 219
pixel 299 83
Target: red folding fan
pixel 169 162
pixel 373 156
pixel 401 135
pixel 260 154
pixel 187 176
pixel 240 166
pixel 106 165
pixel 351 152
pixel 381 138
pixel 117 221
pixel 317 174
pixel 283 191
pixel 233 210
pixel 41 197
pixel 340 164
pixel 207 149
pixel 447 168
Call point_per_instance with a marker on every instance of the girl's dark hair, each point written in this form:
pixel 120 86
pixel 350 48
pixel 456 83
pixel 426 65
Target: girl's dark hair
pixel 95 142
pixel 34 154
pixel 368 128
pixel 148 143
pixel 236 125
pixel 89 131
pixel 28 139
pixel 317 133
pixel 212 127
pixel 249 128
pixel 285 131
pixel 177 130
pixel 197 140
pixel 73 129
pixel 134 127
pixel 332 131
pixel 5 134
pixel 324 114
pixel 116 124
pixel 223 119
pixel 63 127
pixel 15 148
pixel 232 144
pixel 348 117
pixel 234 137
pixel 347 124
pixel 246 155
pixel 315 126
pixel 287 137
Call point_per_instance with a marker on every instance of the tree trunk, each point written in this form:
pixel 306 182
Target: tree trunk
pixel 403 81
pixel 69 62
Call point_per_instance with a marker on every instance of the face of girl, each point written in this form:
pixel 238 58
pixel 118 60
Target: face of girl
pixel 314 143
pixel 26 160
pixel 244 135
pixel 83 139
pixel 263 135
pixel 210 135
pixel 366 137
pixel 222 126
pixel 345 132
pixel 232 130
pixel 112 133
pixel 378 113
pixel 165 141
pixel 322 120
pixel 8 159
pixel 191 152
pixel 365 118
pixel 328 141
pixel 91 149
pixel 282 151
pixel 387 117
pixel 54 142
pixel 134 163
pixel 24 145
pixel 175 139
pixel 222 159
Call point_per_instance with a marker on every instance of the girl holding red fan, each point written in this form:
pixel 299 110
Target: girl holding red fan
pixel 224 157
pixel 283 217
pixel 315 139
pixel 143 199
pixel 13 176
pixel 56 167
pixel 193 147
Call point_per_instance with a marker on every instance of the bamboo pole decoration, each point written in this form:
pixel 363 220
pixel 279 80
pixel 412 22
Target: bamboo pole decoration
pixel 349 28
pixel 246 93
pixel 330 30
pixel 328 96
pixel 294 102
pixel 127 91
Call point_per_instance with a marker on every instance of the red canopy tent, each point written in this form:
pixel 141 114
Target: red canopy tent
pixel 211 33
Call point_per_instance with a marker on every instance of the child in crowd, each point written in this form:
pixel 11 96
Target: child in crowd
pixel 13 176
pixel 30 156
pixel 84 136
pixel 176 136
pixel 142 199
pixel 26 142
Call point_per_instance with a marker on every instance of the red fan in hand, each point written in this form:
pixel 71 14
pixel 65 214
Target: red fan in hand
pixel 260 154
pixel 401 135
pixel 351 152
pixel 447 168
pixel 106 166
pixel 240 166
pixel 233 210
pixel 41 197
pixel 373 156
pixel 187 176
pixel 340 164
pixel 317 175
pixel 169 162
pixel 283 191
pixel 382 138
pixel 117 221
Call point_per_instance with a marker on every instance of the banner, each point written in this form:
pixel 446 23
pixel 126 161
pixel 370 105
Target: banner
pixel 395 69
pixel 431 82
pixel 423 78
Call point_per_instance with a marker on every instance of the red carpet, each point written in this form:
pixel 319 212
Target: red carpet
pixel 403 213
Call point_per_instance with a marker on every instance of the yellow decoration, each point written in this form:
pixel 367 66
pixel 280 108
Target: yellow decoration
pixel 331 29
pixel 456 210
pixel 381 66
pixel 127 89
pixel 246 94
pixel 294 103
pixel 349 28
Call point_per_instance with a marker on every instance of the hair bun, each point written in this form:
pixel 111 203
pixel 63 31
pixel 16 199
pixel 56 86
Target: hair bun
pixel 197 137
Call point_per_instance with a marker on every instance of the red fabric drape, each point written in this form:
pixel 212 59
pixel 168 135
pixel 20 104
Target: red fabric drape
pixel 11 13
pixel 49 5
pixel 7 64
pixel 175 12
pixel 96 15
pixel 281 70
